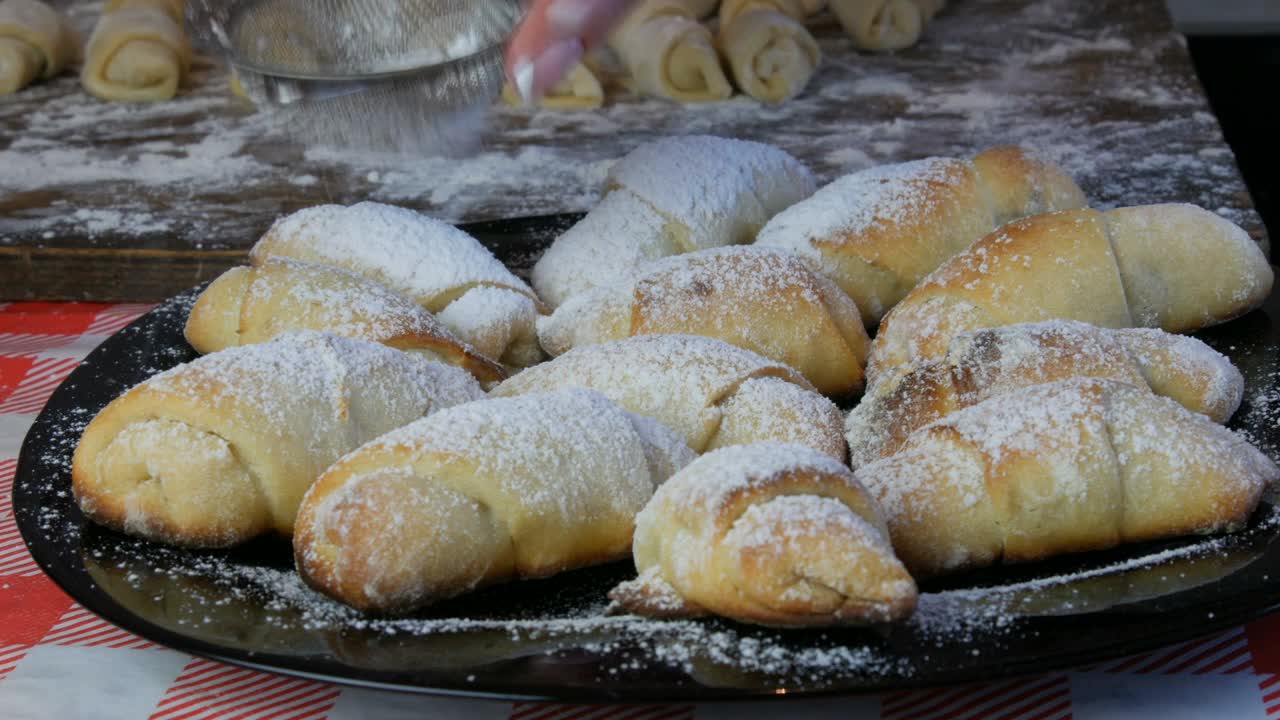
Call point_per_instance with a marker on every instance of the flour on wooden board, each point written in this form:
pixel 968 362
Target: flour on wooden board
pixel 1138 131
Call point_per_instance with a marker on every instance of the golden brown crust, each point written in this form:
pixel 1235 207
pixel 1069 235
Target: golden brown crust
pixel 491 491
pixel 770 534
pixel 1018 184
pixel 220 450
pixel 988 362
pixel 1148 266
pixel 710 392
pixel 761 299
pixel 248 305
pixel 1081 464
pixel 877 233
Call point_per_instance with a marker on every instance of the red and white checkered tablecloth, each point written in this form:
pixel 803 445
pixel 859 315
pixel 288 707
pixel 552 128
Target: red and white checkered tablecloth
pixel 57 660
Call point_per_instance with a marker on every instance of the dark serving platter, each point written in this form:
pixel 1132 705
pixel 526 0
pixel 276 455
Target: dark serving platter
pixel 550 639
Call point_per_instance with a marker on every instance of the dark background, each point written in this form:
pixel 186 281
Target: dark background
pixel 1241 75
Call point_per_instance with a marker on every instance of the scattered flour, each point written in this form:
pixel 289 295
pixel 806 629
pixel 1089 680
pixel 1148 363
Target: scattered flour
pixel 1136 131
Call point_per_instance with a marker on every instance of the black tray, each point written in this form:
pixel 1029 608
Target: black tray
pixel 548 639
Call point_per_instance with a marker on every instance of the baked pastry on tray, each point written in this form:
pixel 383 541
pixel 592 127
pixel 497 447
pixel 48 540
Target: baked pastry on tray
pixel 710 392
pixel 984 363
pixel 765 300
pixel 436 265
pixel 1082 464
pixel 667 197
pixel 770 534
pixel 1174 267
pixel 482 493
pixel 878 232
pixel 220 450
pixel 248 305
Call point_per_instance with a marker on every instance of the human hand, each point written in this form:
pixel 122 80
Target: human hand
pixel 553 36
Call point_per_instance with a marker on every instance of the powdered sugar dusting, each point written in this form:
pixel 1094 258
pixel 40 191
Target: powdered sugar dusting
pixel 678 379
pixel 411 253
pixel 547 453
pixel 714 478
pixel 351 305
pixel 721 190
pixel 882 196
pixel 340 374
pixel 674 290
pixel 993 361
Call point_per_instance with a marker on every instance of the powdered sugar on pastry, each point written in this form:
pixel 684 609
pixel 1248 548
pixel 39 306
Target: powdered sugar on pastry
pixel 882 196
pixel 429 261
pixel 772 534
pixel 411 253
pixel 722 190
pixel 527 487
pixel 682 380
pixel 1062 467
pixel 674 195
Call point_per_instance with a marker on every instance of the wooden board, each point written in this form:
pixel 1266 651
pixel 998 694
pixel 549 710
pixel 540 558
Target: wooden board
pixel 120 202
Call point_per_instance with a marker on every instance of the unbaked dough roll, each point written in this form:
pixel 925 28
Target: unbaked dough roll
pixel 138 52
pixel 667 197
pixel 878 232
pixel 770 534
pixel 1064 467
pixel 995 361
pixel 579 90
pixel 487 492
pixel 885 24
pixel 770 53
pixel 668 53
pixel 1174 267
pixel 249 305
pixel 438 266
pixel 710 392
pixel 762 299
pixel 36 42
pixel 220 450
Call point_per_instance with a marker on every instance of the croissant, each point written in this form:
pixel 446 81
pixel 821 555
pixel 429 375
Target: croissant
pixel 877 233
pixel 762 299
pixel 435 264
pixel 248 305
pixel 671 196
pixel 985 363
pixel 770 53
pixel 1082 464
pixel 711 393
pixel 668 53
pixel 139 51
pixel 885 24
pixel 220 450
pixel 507 488
pixel 1174 267
pixel 36 41
pixel 771 534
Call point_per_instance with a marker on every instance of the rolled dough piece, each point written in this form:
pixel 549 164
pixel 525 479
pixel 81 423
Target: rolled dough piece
pixel 885 24
pixel 770 53
pixel 36 42
pixel 668 53
pixel 139 51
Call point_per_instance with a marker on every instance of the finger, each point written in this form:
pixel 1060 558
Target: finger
pixel 553 36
